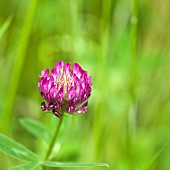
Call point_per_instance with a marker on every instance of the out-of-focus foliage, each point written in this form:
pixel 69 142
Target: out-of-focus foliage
pixel 126 50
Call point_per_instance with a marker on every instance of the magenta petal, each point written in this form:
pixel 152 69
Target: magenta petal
pixel 71 93
pixel 45 85
pixel 82 109
pixel 53 71
pixel 60 94
pixel 88 80
pixel 59 66
pixel 77 70
pixel 44 73
pixel 81 90
pixel 53 92
pixel 67 68
pixel 71 107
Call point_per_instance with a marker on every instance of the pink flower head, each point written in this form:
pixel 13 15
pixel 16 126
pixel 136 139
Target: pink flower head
pixel 66 89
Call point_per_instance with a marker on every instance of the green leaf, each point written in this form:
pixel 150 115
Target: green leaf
pixel 74 164
pixel 16 150
pixel 29 166
pixel 5 26
pixel 37 129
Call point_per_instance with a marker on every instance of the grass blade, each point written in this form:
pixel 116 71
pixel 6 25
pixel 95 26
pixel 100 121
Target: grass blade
pixel 29 166
pixel 74 164
pixel 5 26
pixel 154 158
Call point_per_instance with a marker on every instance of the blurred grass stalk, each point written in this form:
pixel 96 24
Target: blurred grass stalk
pixel 132 114
pixel 102 71
pixel 133 71
pixel 17 67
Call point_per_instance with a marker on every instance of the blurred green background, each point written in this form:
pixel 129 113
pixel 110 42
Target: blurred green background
pixel 124 45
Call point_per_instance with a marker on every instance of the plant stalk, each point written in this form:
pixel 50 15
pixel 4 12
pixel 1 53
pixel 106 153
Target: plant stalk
pixel 53 139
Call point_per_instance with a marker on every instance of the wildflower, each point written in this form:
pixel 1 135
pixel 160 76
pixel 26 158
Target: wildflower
pixel 66 89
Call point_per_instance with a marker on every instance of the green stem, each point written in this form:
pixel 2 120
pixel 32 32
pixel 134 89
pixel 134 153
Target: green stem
pixel 53 139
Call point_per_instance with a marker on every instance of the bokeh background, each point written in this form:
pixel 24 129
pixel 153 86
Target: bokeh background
pixel 124 45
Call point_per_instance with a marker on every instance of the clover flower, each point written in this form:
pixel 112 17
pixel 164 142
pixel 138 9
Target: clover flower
pixel 66 89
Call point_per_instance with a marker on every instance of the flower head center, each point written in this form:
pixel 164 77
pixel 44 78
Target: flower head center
pixel 65 81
